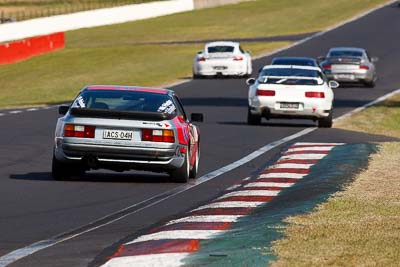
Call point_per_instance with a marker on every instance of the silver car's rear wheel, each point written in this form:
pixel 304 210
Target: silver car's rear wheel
pixel 194 170
pixel 181 175
pixel 60 171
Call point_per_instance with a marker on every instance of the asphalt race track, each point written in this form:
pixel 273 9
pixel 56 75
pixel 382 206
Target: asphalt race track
pixel 34 207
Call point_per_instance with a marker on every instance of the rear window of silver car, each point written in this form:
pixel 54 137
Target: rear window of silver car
pixel 125 101
pixel 220 49
pixel 345 53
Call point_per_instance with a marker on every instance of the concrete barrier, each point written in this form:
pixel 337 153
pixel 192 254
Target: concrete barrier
pixel 199 4
pixel 92 18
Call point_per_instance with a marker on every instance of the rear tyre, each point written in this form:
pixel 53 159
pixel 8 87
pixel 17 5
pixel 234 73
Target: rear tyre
pixel 181 175
pixel 253 119
pixel 194 170
pixel 325 122
pixel 60 171
pixel 370 84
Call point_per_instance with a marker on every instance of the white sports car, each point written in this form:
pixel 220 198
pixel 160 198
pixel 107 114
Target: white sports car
pixel 222 59
pixel 284 91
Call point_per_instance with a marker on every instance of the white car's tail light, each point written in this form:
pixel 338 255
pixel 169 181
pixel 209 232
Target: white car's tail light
pixel 82 131
pixel 199 59
pixel 151 135
pixel 315 94
pixel 364 67
pixel 261 92
pixel 327 67
pixel 238 58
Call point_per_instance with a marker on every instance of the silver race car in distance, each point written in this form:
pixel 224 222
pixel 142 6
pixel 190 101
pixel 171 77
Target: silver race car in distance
pixel 349 64
pixel 126 127
pixel 223 58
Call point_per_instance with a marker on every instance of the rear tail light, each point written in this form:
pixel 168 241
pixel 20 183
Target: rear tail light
pixel 238 58
pixel 327 67
pixel 261 92
pixel 152 135
pixel 81 131
pixel 364 67
pixel 199 59
pixel 315 94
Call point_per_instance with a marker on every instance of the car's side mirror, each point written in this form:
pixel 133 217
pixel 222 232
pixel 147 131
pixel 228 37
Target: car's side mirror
pixel 333 84
pixel 199 52
pixel 197 117
pixel 321 58
pixel 251 81
pixel 62 110
pixel 374 59
pixel 248 51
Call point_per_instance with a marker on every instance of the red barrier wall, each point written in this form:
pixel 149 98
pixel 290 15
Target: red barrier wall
pixel 24 49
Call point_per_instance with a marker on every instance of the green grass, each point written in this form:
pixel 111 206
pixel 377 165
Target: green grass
pixel 111 54
pixel 383 119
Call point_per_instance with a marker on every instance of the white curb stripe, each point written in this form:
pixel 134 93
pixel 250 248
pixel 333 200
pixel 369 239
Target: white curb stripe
pixel 269 184
pixel 178 234
pixel 264 193
pixel 317 144
pixel 311 148
pixel 152 260
pixel 303 156
pixel 15 111
pixel 290 166
pixel 207 219
pixel 231 204
pixel 283 175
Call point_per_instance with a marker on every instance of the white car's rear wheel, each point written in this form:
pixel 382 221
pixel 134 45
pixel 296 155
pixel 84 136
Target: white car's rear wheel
pixel 253 119
pixel 325 122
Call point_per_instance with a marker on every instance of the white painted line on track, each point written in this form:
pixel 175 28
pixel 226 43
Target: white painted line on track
pixel 207 219
pixel 269 184
pixel 40 245
pixel 247 193
pixel 178 234
pixel 311 148
pixel 290 166
pixel 231 204
pixel 283 175
pixel 15 112
pixel 152 260
pixel 2 114
pixel 303 156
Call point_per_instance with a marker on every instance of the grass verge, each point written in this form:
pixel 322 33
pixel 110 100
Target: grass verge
pixel 359 226
pixel 117 54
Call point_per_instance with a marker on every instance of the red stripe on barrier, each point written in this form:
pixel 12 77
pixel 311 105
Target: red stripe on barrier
pixel 246 198
pixel 27 48
pixel 158 246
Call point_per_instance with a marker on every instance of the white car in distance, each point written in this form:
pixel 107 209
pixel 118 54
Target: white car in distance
pixel 284 91
pixel 223 58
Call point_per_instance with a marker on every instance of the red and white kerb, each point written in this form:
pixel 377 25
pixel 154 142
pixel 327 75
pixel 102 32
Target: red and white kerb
pixel 171 243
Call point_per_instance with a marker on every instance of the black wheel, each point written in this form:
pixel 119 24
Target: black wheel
pixel 253 119
pixel 325 122
pixel 194 170
pixel 197 76
pixel 370 84
pixel 181 175
pixel 60 171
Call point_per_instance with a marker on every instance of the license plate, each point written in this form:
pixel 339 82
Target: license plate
pixel 289 105
pixel 344 76
pixel 220 68
pixel 117 134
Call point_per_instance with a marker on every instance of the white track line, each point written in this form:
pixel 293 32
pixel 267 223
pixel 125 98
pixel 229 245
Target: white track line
pixel 231 204
pixel 269 184
pixel 206 219
pixel 247 193
pixel 178 234
pixel 152 260
pixel 283 175
pixel 40 245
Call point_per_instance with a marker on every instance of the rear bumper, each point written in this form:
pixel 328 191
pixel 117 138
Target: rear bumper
pixel 306 113
pixel 119 157
pixel 350 76
pixel 233 69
